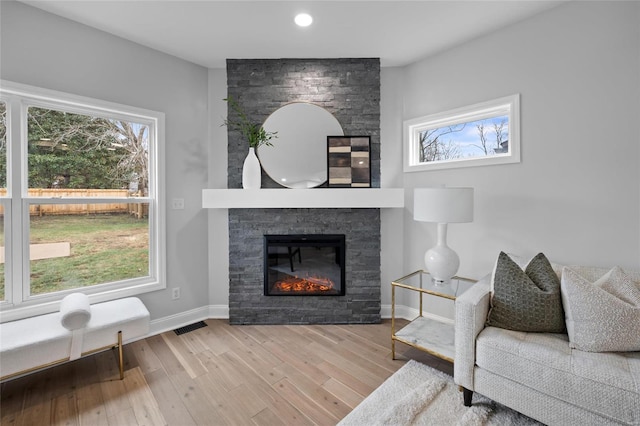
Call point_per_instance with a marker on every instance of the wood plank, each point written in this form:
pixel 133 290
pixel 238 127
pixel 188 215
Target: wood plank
pixel 216 339
pixel 145 406
pixel 246 400
pixel 267 417
pixel 316 393
pixel 343 376
pixel 303 360
pixel 114 395
pixel 147 359
pixel 107 365
pixel 35 389
pixel 12 395
pixel 39 414
pixel 267 393
pixel 91 407
pixel 366 337
pixel 172 408
pixel 63 410
pixel 362 360
pixel 186 358
pixel 259 333
pixel 221 370
pixel 114 392
pixel 304 404
pixel 167 358
pixel 256 357
pixel 124 418
pixel 324 332
pixel 234 406
pixel 203 410
pixel 193 342
pixel 344 393
pixel 381 358
pixel 84 372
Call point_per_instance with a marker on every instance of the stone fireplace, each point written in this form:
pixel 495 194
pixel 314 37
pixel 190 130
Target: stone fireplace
pixel 350 90
pixel 249 305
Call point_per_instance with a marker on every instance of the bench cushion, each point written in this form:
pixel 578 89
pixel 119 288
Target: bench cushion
pixel 605 383
pixel 40 340
pixel 129 315
pixel 31 342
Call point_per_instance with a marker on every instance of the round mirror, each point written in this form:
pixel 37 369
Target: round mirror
pixel 298 157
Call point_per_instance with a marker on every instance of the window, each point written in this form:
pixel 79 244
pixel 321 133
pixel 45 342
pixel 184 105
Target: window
pixel 3 191
pixel 81 200
pixel 481 134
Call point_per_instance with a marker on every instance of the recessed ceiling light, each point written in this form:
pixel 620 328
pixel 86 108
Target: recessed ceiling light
pixel 303 19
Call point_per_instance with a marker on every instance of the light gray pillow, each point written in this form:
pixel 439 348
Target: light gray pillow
pixel 526 300
pixel 603 316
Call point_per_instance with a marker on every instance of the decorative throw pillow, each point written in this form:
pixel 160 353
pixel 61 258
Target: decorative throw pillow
pixel 603 316
pixel 526 300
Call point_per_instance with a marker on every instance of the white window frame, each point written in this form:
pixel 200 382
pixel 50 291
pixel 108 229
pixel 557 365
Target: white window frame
pixel 18 302
pixel 508 105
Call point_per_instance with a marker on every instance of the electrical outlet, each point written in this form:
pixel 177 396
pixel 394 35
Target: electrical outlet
pixel 177 203
pixel 175 293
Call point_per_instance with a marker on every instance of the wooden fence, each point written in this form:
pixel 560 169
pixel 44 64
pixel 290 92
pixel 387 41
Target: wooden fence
pixel 136 209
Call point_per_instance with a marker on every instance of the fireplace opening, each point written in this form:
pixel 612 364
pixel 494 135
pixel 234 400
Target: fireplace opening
pixel 303 265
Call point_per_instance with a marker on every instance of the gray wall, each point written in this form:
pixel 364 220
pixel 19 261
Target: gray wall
pixel 576 194
pixel 44 50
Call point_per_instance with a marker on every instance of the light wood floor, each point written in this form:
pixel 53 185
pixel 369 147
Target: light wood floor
pixel 216 375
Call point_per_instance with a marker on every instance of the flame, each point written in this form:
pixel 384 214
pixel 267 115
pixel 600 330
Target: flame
pixel 307 285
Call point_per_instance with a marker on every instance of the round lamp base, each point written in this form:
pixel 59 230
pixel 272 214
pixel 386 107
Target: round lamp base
pixel 442 263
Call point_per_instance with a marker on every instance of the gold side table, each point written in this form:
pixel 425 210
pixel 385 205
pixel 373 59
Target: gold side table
pixel 428 334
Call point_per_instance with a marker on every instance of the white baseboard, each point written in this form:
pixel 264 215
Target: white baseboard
pixel 219 311
pixel 172 322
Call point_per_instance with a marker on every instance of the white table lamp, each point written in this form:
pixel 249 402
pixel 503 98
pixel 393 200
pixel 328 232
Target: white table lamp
pixel 442 206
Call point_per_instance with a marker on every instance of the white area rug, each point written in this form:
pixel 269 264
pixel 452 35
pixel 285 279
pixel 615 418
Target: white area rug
pixel 420 395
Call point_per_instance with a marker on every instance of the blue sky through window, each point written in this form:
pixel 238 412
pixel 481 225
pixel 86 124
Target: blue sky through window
pixel 464 140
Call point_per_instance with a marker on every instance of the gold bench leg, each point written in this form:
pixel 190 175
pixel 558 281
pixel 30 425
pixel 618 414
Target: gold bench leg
pixel 120 356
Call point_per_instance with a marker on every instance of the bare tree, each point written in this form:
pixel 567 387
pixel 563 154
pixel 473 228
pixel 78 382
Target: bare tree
pixel 3 125
pixel 499 129
pixel 76 133
pixel 433 147
pixel 482 133
pixel 135 141
pixel 499 133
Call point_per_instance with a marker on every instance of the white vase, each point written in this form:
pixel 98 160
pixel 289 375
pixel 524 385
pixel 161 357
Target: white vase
pixel 251 171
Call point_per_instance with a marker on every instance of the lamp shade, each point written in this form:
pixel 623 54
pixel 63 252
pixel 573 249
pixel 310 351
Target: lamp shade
pixel 443 205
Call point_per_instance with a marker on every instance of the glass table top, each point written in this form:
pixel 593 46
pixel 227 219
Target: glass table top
pixel 422 280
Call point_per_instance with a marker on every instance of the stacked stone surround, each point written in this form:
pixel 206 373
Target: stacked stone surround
pixel 350 90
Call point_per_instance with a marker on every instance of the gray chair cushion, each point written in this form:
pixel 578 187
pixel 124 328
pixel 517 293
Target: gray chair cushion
pixel 605 383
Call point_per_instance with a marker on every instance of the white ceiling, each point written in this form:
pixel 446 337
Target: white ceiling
pixel 207 32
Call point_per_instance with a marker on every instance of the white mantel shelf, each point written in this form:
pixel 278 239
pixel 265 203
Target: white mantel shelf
pixel 314 198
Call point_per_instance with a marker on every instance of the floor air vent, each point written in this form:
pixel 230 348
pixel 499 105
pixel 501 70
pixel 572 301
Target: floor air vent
pixel 190 327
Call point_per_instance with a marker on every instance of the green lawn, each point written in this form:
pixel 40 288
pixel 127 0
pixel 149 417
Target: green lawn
pixel 104 248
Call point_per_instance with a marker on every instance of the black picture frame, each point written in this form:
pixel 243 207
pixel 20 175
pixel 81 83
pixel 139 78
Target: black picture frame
pixel 349 161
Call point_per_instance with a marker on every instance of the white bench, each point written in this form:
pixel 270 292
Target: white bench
pixel 31 344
